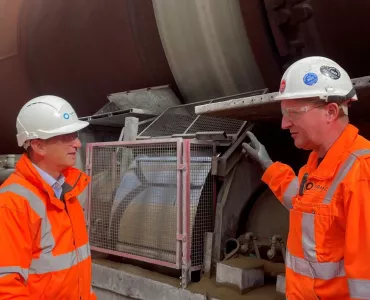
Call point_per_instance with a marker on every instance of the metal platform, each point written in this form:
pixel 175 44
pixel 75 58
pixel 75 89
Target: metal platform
pixel 182 120
pixel 263 107
pixel 117 118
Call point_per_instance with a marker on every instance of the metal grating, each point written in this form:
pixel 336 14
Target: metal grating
pixel 133 206
pixel 117 118
pixel 107 108
pixel 201 199
pixel 183 120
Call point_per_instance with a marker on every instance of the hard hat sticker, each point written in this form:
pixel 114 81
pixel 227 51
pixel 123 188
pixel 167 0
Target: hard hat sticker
pixel 310 78
pixel 282 86
pixel 331 72
pixel 66 116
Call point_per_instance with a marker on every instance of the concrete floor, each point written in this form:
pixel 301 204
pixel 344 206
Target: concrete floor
pixel 119 281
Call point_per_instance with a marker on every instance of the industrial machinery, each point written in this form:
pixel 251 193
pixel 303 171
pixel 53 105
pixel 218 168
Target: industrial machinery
pixel 85 50
pixel 187 52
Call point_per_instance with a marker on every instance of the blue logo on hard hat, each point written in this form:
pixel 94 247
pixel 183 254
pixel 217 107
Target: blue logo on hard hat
pixel 310 78
pixel 66 116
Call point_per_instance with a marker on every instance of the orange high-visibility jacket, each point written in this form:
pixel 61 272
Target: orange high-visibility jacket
pixel 328 251
pixel 44 253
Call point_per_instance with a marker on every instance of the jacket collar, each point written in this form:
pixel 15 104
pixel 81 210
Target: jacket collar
pixel 336 154
pixel 75 179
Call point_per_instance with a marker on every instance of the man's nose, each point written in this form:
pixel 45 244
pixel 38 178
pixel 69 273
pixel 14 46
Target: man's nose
pixel 76 143
pixel 286 123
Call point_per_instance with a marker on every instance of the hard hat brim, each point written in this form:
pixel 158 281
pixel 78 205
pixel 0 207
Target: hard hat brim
pixel 305 96
pixel 76 126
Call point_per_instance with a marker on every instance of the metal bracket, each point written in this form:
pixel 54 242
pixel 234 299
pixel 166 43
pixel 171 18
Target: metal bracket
pixel 181 237
pixel 181 167
pixel 222 165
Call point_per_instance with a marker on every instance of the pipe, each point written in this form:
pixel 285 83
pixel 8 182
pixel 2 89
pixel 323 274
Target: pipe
pixel 232 247
pixel 251 238
pixel 274 240
pixel 10 161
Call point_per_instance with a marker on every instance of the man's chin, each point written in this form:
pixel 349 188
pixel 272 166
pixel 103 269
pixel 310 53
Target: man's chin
pixel 301 145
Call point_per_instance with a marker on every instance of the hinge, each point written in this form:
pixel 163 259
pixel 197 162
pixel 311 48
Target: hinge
pixel 181 237
pixel 181 167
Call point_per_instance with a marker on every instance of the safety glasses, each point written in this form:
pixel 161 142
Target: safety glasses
pixel 67 138
pixel 294 113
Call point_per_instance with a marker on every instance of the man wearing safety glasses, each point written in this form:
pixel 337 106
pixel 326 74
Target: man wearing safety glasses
pixel 329 201
pixel 45 252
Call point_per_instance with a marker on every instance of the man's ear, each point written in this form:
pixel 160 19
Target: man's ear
pixel 38 147
pixel 332 111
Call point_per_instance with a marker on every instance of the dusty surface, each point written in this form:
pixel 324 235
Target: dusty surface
pixel 248 263
pixel 208 286
pixel 138 271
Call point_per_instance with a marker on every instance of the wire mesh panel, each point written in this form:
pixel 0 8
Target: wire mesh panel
pixel 183 120
pixel 201 198
pixel 134 200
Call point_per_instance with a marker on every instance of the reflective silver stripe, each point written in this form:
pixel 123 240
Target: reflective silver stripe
pixel 343 171
pixel 290 192
pixel 308 220
pixel 46 264
pixel 320 270
pixel 308 237
pixel 359 288
pixel 47 242
pixel 4 271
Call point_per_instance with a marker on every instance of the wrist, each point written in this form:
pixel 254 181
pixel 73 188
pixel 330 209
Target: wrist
pixel 266 164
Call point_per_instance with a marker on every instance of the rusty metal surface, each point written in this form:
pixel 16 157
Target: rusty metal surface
pixel 9 12
pixel 336 29
pixel 84 50
pixel 344 30
pixel 261 41
pixel 14 85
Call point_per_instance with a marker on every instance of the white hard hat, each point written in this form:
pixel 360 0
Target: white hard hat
pixel 316 76
pixel 45 117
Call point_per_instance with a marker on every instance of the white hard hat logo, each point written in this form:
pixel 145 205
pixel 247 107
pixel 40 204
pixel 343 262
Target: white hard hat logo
pixel 310 78
pixel 282 86
pixel 331 72
pixel 66 116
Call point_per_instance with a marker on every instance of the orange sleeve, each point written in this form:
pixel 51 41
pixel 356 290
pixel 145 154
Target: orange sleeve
pixel 282 181
pixel 93 296
pixel 15 252
pixel 357 239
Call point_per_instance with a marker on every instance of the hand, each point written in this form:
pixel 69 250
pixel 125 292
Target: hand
pixel 257 151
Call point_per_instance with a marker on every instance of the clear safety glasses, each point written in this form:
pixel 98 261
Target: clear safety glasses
pixel 293 113
pixel 67 138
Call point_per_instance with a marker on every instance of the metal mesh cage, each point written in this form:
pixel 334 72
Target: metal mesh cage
pixel 145 196
pixel 183 120
pixel 133 207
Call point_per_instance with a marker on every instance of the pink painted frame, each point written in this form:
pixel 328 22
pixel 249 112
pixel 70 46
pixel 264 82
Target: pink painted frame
pixel 180 243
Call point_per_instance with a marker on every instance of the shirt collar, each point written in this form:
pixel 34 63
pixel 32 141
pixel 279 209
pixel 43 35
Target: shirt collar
pixel 49 179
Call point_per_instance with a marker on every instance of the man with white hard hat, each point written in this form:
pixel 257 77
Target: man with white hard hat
pixel 46 252
pixel 329 200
